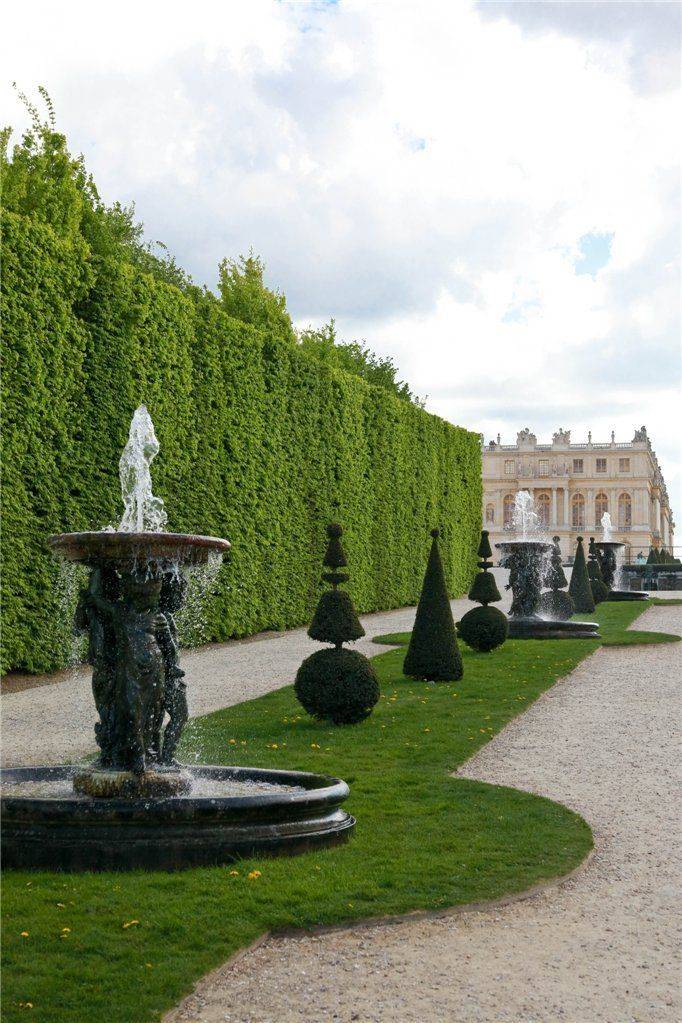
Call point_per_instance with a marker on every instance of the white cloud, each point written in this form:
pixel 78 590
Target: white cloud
pixel 422 172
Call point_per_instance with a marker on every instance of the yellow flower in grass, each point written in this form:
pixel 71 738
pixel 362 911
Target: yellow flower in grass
pixel 253 875
pixel 130 923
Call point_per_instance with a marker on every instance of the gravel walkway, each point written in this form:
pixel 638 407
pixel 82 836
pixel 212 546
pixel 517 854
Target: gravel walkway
pixel 51 721
pixel 598 949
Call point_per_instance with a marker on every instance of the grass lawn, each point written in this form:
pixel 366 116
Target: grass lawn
pixel 126 947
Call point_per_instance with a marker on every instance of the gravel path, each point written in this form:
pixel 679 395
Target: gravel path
pixel 598 949
pixel 52 721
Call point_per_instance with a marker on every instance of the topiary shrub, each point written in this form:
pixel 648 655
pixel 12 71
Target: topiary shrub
pixel 433 653
pixel 579 588
pixel 600 590
pixel 336 685
pixel 556 604
pixel 484 628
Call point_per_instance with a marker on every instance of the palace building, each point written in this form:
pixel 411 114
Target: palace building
pixel 574 484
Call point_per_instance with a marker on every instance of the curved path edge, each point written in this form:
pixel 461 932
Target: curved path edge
pixel 594 945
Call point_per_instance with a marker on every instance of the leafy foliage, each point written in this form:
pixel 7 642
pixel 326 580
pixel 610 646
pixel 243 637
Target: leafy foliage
pixel 337 685
pixel 355 357
pixel 557 605
pixel 433 653
pixel 342 689
pixel 579 589
pixel 335 619
pixel 245 297
pixel 600 590
pixel 484 588
pixel 260 442
pixel 483 628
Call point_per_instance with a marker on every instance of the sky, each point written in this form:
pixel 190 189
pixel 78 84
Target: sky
pixel 487 192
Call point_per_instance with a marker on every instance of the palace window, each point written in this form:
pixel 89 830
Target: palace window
pixel 542 504
pixel 543 467
pixel 623 465
pixel 601 465
pixel 601 506
pixel 578 511
pixel 624 511
pixel 509 467
pixel 490 514
pixel 577 465
pixel 508 510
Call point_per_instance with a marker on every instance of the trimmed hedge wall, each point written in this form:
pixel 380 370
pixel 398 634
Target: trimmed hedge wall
pixel 259 443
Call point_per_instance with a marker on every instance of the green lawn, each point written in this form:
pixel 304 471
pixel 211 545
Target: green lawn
pixel 126 947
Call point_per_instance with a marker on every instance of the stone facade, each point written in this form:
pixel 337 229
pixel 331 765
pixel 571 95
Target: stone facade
pixel 574 484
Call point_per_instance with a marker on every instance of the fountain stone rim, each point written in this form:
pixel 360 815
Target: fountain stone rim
pixel 110 545
pixel 518 542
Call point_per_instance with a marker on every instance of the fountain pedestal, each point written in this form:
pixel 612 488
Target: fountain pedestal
pixel 137 808
pixel 524 559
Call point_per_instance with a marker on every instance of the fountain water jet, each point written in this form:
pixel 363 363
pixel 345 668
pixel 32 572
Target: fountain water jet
pixel 527 558
pixel 137 807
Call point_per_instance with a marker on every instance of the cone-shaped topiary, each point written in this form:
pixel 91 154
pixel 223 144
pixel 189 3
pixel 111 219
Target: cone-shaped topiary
pixel 336 685
pixel 653 556
pixel 580 589
pixel 433 653
pixel 484 628
pixel 600 590
pixel 556 604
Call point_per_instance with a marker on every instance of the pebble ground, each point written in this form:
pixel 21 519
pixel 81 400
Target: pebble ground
pixel 603 947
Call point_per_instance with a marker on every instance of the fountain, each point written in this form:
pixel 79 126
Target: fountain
pixel 527 558
pixel 136 806
pixel 607 554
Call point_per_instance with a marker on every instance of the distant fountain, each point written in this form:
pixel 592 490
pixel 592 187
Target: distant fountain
pixel 609 554
pixel 136 806
pixel 528 557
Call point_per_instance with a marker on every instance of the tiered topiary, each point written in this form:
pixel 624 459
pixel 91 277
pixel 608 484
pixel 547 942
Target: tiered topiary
pixel 579 588
pixel 433 653
pixel 600 590
pixel 334 684
pixel 484 628
pixel 556 604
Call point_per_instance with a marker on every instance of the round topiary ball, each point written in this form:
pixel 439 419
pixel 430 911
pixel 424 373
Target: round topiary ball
pixel 556 605
pixel 340 686
pixel 600 590
pixel 483 629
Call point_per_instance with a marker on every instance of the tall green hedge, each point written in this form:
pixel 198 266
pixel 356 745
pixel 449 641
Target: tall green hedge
pixel 259 443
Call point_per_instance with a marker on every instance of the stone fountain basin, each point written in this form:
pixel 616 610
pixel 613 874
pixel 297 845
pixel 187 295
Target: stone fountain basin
pixel 74 833
pixel 537 545
pixel 108 545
